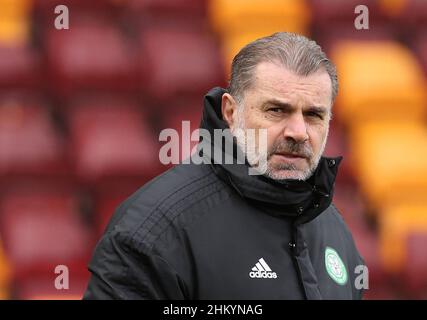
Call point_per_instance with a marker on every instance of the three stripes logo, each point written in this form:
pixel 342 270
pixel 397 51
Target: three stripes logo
pixel 262 270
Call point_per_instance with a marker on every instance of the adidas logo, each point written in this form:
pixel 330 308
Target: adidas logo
pixel 262 270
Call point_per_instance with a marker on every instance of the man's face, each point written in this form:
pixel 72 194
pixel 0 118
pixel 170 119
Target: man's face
pixel 295 111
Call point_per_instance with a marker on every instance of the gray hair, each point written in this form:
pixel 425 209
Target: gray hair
pixel 297 53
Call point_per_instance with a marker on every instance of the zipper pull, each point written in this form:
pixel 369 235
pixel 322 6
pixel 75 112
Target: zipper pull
pixel 292 245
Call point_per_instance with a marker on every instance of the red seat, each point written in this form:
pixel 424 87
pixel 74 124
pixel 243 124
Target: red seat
pixel 111 138
pixel 42 228
pixel 105 209
pixel 20 68
pixel 412 16
pixel 415 268
pixel 42 287
pixel 419 44
pixel 352 206
pixel 92 55
pixel 186 121
pixel 383 292
pixel 179 62
pixel 29 142
pixel 368 246
pixel 46 8
pixel 174 14
pixel 187 8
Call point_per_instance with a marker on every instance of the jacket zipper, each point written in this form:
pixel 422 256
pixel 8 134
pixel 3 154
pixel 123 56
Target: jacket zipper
pixel 293 250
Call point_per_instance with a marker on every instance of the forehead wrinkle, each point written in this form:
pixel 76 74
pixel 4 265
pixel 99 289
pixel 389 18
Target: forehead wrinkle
pixel 270 82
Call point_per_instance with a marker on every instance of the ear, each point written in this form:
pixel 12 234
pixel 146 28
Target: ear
pixel 228 109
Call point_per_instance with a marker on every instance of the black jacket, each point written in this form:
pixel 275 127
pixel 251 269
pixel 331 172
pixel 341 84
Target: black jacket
pixel 215 232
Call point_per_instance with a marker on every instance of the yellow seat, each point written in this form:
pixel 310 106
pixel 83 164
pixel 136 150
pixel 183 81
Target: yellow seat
pixel 231 45
pixel 237 16
pixel 15 8
pixel 238 22
pixel 15 21
pixel 390 160
pixel 395 224
pixel 392 7
pixel 14 32
pixel 5 275
pixel 378 80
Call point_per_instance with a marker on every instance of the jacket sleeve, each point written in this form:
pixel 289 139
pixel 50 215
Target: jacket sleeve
pixel 121 270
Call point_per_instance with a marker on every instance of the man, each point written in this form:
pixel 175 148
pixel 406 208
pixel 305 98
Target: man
pixel 214 231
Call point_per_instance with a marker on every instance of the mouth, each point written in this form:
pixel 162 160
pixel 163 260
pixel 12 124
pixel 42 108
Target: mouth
pixel 290 157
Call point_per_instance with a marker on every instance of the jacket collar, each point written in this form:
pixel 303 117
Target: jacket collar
pixel 303 200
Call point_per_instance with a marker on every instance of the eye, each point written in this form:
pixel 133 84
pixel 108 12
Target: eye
pixel 313 114
pixel 275 110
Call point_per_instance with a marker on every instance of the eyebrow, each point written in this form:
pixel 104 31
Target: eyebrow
pixel 319 109
pixel 278 103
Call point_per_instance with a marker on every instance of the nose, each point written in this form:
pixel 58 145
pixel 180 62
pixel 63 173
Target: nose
pixel 296 128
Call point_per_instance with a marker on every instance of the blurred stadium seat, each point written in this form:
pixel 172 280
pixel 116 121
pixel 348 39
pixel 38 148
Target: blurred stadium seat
pixel 185 110
pixel 42 288
pixel 43 228
pixel 240 16
pixel 231 45
pixel 111 138
pixel 172 8
pixel 419 45
pixel 397 223
pixel 369 87
pixel 239 22
pixel 178 63
pixel 29 142
pixel 389 161
pixel 410 15
pixel 414 273
pixel 105 209
pixel 415 11
pixel 350 202
pixel 15 22
pixel 45 8
pixel 93 55
pixel 5 274
pixel 392 8
pixel 20 68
